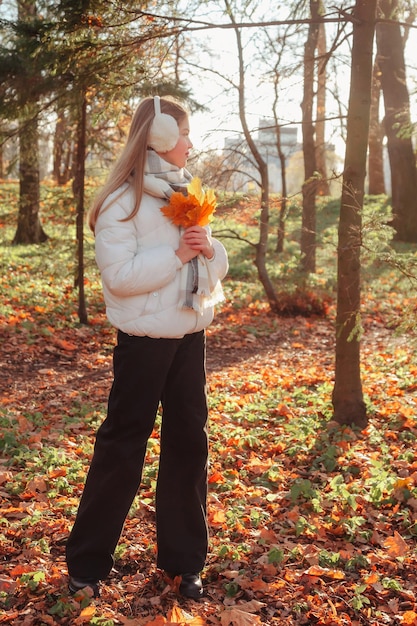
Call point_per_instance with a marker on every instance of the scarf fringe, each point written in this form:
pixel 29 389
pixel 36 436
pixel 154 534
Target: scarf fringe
pixel 209 291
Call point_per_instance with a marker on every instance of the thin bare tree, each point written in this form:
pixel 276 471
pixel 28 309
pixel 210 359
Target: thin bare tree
pixel 261 246
pixel 348 402
pixel 376 179
pixel 308 226
pixel 323 187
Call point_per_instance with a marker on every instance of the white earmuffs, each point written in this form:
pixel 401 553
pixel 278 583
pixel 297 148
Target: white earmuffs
pixel 164 132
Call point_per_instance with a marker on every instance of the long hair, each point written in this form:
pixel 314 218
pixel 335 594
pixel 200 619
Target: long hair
pixel 130 166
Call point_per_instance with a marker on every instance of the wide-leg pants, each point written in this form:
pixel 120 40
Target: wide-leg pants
pixel 148 372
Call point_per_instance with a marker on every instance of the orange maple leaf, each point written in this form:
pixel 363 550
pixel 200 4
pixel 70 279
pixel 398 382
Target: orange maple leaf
pixel 396 546
pixel 409 618
pixel 372 578
pixel 66 345
pixel 216 477
pixel 218 518
pixel 59 471
pixel 195 208
pixel 18 570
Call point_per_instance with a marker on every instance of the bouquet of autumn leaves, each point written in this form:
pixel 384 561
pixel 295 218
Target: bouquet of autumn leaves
pixel 196 208
pixel 198 289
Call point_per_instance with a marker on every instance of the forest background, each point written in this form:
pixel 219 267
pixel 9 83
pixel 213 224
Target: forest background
pixel 311 358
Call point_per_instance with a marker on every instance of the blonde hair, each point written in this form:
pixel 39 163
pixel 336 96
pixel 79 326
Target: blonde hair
pixel 130 166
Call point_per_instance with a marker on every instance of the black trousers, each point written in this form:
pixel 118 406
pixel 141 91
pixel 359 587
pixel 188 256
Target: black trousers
pixel 148 372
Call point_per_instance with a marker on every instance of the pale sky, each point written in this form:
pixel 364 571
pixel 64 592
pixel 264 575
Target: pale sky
pixel 210 129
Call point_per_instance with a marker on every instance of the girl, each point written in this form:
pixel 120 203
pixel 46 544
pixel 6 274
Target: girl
pixel 153 298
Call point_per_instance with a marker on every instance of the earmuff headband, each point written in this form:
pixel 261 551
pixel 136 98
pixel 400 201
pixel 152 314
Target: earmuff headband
pixel 164 132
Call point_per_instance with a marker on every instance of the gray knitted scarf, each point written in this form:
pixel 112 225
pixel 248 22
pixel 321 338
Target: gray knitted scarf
pixel 162 178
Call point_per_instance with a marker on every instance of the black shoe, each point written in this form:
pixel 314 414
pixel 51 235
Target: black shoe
pixel 78 584
pixel 191 586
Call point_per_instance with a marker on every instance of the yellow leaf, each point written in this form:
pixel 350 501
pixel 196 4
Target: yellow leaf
pixel 195 189
pixel 218 518
pixel 88 612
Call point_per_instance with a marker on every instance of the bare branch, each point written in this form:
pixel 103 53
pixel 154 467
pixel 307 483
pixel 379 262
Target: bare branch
pixel 228 233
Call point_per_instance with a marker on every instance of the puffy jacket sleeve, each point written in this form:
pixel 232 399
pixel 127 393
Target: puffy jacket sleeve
pixel 131 264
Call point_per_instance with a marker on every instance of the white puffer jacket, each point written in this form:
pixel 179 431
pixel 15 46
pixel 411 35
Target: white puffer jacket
pixel 140 271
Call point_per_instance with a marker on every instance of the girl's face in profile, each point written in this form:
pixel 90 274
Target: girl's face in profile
pixel 181 151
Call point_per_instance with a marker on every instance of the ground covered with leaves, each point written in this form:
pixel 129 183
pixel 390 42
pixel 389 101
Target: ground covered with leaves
pixel 310 523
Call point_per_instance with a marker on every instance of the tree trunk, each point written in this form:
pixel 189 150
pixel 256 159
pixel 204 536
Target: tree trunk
pixel 323 188
pixel 2 139
pixel 29 229
pixel 64 148
pixel 60 173
pixel 398 125
pixel 283 204
pixel 349 406
pixel 308 226
pixel 282 160
pixel 283 165
pixel 262 245
pixel 78 187
pixel 376 179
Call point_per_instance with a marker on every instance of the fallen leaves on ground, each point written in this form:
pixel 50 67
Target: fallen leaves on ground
pixel 309 525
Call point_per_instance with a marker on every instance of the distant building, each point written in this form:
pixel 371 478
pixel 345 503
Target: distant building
pixel 267 146
pixel 238 158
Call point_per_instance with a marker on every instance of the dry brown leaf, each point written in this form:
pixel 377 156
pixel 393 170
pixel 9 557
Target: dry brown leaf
pixel 158 621
pixel 251 607
pixel 177 616
pixel 5 476
pixel 236 617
